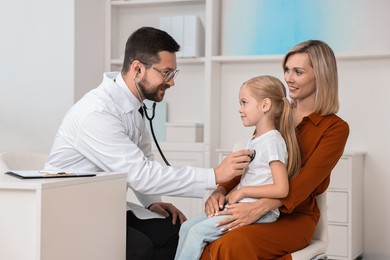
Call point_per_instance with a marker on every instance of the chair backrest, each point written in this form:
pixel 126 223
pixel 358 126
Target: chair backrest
pixel 319 243
pixel 321 232
pixel 22 161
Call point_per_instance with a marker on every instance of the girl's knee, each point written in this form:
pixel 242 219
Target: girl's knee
pixel 185 227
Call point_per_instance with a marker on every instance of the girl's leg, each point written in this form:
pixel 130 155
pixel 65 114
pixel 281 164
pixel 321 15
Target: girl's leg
pixel 198 236
pixel 268 218
pixel 185 227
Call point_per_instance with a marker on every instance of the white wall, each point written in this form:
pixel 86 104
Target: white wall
pixel 37 71
pixel 51 53
pixel 364 93
pixel 89 45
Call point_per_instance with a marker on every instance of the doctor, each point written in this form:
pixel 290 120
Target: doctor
pixel 105 131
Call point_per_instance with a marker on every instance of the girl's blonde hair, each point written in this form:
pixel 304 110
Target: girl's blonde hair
pixel 262 87
pixel 323 62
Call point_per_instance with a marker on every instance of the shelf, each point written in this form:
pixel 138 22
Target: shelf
pixel 238 59
pixel 353 152
pixel 271 58
pixel 363 56
pixel 185 147
pixel 198 60
pixel 134 3
pixel 116 62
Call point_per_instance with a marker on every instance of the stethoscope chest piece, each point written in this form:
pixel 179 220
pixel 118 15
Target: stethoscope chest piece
pixel 252 156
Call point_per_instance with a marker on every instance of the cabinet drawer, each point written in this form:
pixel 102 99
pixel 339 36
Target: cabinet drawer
pixel 337 206
pixel 339 179
pixel 180 158
pixel 338 241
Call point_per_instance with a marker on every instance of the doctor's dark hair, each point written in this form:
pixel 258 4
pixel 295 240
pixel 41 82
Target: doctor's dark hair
pixel 323 62
pixel 145 44
pixel 263 87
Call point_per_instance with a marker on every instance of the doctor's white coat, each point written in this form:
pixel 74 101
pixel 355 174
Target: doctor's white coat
pixel 104 131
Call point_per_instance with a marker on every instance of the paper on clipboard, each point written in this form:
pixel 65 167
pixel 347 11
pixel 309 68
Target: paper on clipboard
pixel 48 174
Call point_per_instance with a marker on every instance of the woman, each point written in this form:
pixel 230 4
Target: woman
pixel 310 72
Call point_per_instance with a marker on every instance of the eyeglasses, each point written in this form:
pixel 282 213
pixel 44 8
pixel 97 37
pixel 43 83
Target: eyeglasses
pixel 168 74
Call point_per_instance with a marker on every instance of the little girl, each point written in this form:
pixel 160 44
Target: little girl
pixel 263 104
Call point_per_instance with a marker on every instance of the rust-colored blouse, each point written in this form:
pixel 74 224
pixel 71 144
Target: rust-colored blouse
pixel 322 140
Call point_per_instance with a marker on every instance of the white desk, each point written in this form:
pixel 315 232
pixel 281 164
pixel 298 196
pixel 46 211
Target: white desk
pixel 64 218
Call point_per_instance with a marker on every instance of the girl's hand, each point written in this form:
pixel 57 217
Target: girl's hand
pixel 234 196
pixel 215 202
pixel 245 213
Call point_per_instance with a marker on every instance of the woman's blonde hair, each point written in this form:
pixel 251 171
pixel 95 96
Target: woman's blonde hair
pixel 262 87
pixel 323 61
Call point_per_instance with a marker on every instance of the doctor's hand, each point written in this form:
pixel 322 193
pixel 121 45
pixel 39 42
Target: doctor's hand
pixel 166 209
pixel 233 165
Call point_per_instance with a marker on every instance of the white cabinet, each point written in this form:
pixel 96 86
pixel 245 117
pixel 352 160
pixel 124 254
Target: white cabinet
pixel 63 218
pixel 182 155
pixel 179 155
pixel 345 208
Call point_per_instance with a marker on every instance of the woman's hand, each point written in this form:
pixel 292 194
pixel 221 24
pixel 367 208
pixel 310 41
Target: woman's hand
pixel 245 213
pixel 215 202
pixel 166 209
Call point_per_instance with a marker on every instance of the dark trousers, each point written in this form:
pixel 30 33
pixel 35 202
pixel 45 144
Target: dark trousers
pixel 151 238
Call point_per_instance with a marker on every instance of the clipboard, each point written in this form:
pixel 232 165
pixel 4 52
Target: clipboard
pixel 48 174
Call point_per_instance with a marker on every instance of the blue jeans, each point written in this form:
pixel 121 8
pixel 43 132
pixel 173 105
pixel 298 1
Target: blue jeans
pixel 200 230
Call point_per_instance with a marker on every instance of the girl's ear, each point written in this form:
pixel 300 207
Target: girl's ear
pixel 266 104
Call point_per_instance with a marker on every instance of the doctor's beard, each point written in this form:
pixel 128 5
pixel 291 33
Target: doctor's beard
pixel 152 93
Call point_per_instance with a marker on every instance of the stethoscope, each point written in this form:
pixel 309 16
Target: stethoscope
pixel 150 118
